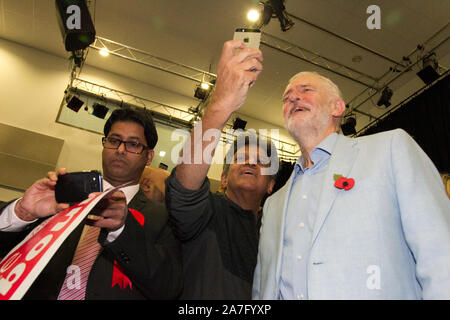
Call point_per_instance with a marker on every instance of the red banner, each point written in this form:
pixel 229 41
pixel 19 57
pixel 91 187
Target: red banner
pixel 24 263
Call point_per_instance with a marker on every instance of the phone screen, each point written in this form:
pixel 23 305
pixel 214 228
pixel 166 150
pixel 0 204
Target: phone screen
pixel 250 37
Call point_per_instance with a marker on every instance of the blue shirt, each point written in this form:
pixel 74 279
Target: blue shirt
pixel 303 202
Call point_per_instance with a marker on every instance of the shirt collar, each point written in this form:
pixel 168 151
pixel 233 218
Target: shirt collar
pixel 323 150
pixel 129 191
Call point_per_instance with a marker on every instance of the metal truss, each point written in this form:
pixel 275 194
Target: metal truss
pixel 398 73
pixel 317 60
pixel 354 43
pixel 164 113
pixel 150 60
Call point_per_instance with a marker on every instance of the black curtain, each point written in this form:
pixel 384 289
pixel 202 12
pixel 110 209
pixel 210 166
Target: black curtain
pixel 283 174
pixel 427 119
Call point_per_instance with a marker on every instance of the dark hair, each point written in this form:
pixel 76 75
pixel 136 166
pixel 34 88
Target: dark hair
pixel 250 139
pixel 139 116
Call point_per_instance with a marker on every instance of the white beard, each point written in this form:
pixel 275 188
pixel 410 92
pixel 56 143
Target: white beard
pixel 301 129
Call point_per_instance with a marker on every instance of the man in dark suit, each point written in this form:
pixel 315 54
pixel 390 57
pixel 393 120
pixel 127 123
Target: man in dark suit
pixel 139 257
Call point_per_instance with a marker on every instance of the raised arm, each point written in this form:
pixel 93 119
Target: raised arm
pixel 237 71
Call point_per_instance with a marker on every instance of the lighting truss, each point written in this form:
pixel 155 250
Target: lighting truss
pixel 150 60
pixel 317 60
pixel 286 150
pixel 162 112
pixel 399 74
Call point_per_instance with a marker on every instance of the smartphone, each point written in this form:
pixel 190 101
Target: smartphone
pixel 250 37
pixel 74 187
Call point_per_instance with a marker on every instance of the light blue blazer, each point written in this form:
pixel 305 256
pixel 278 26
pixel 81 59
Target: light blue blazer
pixel 386 238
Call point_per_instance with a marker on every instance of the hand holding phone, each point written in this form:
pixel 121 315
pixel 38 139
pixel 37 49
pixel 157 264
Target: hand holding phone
pixel 39 200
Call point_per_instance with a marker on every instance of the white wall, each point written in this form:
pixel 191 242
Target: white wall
pixel 32 84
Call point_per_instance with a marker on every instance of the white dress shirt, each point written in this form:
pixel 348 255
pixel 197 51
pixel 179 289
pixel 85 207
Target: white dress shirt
pixel 10 222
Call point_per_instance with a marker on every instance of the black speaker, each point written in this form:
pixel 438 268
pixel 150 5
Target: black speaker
pixel 75 23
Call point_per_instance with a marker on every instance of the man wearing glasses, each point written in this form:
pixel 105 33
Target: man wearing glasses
pixel 138 258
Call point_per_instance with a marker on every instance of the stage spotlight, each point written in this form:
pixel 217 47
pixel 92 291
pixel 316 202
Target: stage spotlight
pixel 348 127
pixel 253 15
pixel 430 69
pixel 385 98
pixel 100 110
pixel 239 124
pixel 104 52
pixel 74 103
pixel 275 9
pixel 202 91
pixel 204 86
pixel 163 166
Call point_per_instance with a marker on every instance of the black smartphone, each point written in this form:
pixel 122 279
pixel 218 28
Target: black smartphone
pixel 74 187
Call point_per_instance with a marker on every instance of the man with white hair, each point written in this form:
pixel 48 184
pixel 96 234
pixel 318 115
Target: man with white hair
pixel 363 218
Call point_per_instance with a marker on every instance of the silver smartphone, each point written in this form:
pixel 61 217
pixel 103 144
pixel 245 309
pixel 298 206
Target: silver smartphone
pixel 250 37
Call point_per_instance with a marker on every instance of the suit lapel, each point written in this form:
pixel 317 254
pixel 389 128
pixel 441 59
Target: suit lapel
pixel 139 201
pixel 282 201
pixel 341 162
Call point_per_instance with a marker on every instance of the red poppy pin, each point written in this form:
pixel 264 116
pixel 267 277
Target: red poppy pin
pixel 341 182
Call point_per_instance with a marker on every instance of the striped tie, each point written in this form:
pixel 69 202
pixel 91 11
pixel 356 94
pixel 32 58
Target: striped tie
pixel 74 286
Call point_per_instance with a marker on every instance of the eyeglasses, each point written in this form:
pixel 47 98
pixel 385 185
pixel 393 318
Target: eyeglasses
pixel 130 146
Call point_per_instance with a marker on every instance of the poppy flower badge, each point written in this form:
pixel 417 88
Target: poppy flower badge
pixel 342 182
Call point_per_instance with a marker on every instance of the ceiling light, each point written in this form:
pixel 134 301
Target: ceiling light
pixel 357 59
pixel 162 153
pixel 202 91
pixel 253 15
pixel 104 52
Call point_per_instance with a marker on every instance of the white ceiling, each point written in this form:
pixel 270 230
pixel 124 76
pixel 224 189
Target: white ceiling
pixel 192 32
